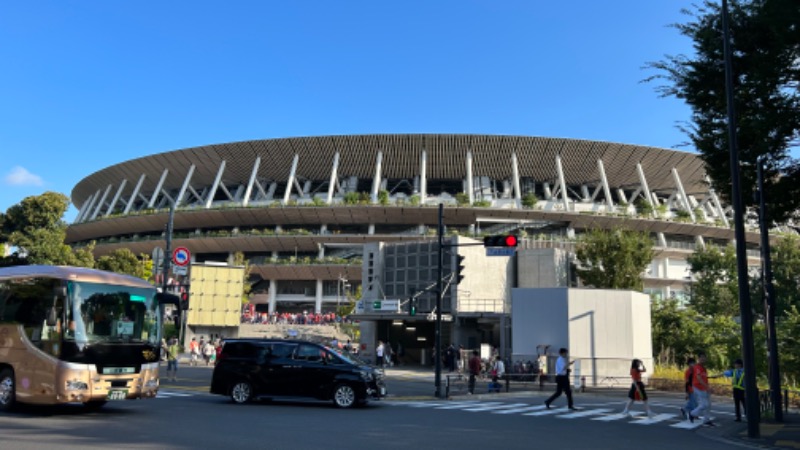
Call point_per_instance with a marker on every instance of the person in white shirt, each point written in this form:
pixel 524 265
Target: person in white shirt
pixel 379 354
pixel 562 379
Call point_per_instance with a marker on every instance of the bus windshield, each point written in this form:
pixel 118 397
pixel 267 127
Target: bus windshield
pixel 110 313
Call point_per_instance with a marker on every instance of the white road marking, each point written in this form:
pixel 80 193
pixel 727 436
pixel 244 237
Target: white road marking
pixel 686 425
pixel 655 419
pixel 546 412
pixel 519 410
pixel 167 394
pixel 491 406
pixel 585 413
pixel 458 405
pixel 618 416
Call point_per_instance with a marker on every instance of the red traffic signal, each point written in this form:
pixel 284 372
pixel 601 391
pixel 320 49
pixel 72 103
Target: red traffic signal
pixel 503 240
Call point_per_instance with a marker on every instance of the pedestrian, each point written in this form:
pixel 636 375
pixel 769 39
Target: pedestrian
pixel 688 375
pixel 459 360
pixel 401 353
pixel 700 385
pixel 208 350
pixel 562 379
pixel 498 372
pixel 388 354
pixel 474 366
pixel 194 350
pixel 737 380
pixel 637 391
pixel 450 358
pixel 172 359
pixel 379 354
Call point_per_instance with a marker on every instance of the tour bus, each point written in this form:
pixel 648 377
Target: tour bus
pixel 76 335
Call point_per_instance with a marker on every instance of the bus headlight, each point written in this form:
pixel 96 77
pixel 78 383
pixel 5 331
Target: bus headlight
pixel 76 385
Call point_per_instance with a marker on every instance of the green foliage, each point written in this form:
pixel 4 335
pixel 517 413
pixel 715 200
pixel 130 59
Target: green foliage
pixel 682 215
pixel 786 273
pixel 414 200
pixel 644 208
pixel 383 197
pixel 316 201
pixel 789 344
pixel 462 199
pixel 239 260
pixel 529 200
pixel 715 290
pixel 482 203
pixel 36 228
pixel 122 260
pixel 614 259
pixel 766 48
pixel 351 198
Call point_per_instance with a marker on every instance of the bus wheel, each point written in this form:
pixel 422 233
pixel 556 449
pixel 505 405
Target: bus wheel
pixel 7 392
pixel 94 404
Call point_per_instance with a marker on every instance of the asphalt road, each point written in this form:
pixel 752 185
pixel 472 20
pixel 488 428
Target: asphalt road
pixel 185 416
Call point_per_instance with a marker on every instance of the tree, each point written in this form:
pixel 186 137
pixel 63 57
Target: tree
pixel 122 260
pixel 247 286
pixel 786 274
pixel 614 259
pixel 766 51
pixel 35 227
pixel 715 289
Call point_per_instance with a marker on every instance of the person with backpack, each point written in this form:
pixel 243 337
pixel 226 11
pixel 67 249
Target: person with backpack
pixel 691 403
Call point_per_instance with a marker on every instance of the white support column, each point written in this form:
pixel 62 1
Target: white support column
pixel 621 195
pixel 321 251
pixel 213 191
pixel 662 240
pixel 82 209
pixel 646 188
pixel 515 179
pixel 376 182
pixel 134 194
pixel 470 187
pixel 158 188
pixel 102 201
pixel 334 178
pixel 318 304
pixel 273 295
pixel 548 194
pixel 371 229
pixel 116 197
pixel 562 183
pixel 700 242
pixel 664 269
pixel 717 204
pixel 423 177
pixel 87 207
pixel 684 198
pixel 606 189
pixel 186 181
pixel 248 191
pixel 290 181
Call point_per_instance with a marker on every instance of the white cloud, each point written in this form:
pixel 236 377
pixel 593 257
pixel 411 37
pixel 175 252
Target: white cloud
pixel 19 176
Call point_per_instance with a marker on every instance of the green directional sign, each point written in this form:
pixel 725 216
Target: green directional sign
pixel 376 305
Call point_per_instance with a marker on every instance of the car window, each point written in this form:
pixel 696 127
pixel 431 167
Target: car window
pixel 332 358
pixel 307 352
pixel 282 350
pixel 240 350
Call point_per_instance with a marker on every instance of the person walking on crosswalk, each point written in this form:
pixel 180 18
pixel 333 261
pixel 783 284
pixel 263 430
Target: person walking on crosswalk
pixel 637 391
pixel 562 379
pixel 700 384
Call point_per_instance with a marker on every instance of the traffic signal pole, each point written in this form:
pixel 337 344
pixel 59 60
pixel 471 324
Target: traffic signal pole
pixel 439 288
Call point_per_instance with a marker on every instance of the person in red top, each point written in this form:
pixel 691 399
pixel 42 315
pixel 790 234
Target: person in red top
pixel 637 391
pixel 700 385
pixel 474 366
pixel 688 375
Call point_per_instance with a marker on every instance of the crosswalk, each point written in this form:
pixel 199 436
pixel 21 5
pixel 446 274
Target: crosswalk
pixel 162 393
pixel 602 412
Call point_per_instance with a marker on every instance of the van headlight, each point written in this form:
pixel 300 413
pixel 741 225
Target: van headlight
pixel 151 383
pixel 76 385
pixel 366 375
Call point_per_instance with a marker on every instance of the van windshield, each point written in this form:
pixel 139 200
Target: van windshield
pixel 346 356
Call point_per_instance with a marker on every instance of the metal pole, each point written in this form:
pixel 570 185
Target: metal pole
pixel 751 390
pixel 439 295
pixel 769 297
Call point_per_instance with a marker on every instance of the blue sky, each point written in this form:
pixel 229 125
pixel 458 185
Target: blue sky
pixel 88 84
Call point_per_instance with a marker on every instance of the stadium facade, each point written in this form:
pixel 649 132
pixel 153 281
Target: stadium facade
pixel 302 209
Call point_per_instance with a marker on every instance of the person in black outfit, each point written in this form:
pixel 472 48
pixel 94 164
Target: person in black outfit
pixel 562 379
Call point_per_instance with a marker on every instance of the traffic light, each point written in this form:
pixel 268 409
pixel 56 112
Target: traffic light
pixel 184 300
pixel 459 269
pixel 412 307
pixel 502 240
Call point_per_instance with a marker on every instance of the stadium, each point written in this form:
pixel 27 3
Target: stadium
pixel 302 209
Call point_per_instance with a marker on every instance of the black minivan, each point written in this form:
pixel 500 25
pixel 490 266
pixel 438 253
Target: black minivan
pixel 265 368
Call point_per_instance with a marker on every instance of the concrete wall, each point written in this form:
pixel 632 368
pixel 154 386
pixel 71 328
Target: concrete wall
pixel 488 280
pixel 542 268
pixel 603 329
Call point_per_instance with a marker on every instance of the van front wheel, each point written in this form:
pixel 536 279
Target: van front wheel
pixel 344 396
pixel 241 392
pixel 8 393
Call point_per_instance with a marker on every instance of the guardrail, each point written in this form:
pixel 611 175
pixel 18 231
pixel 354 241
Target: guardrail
pixel 791 398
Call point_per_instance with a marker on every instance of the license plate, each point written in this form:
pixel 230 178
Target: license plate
pixel 117 394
